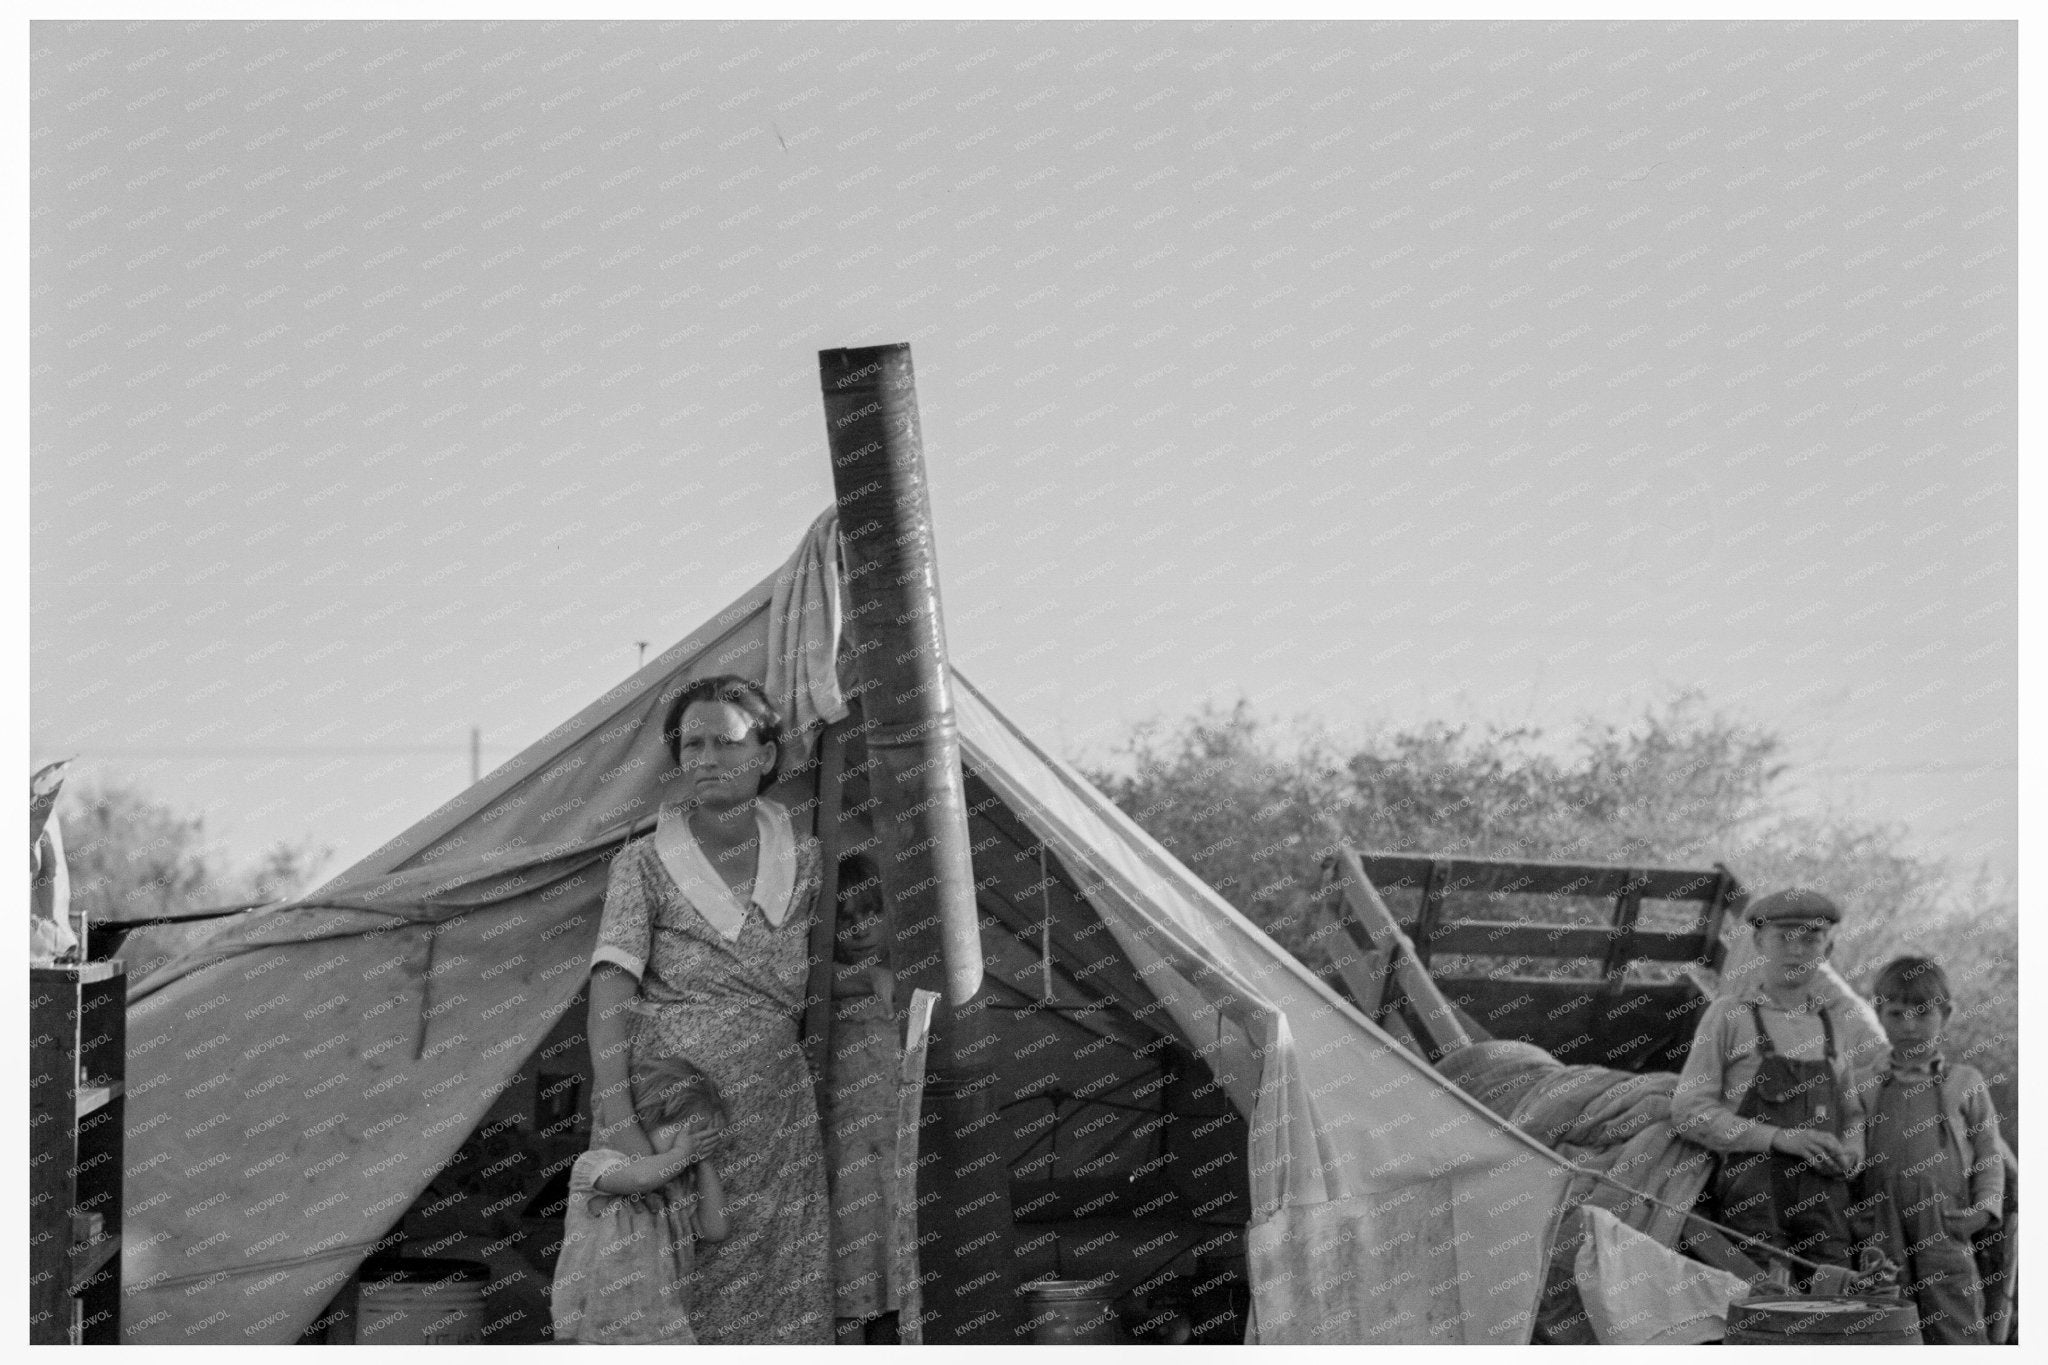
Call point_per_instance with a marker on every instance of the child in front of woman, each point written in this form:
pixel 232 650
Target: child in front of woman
pixel 630 1223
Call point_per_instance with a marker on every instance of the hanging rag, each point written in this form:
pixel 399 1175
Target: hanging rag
pixel 803 638
pixel 1639 1292
pixel 51 933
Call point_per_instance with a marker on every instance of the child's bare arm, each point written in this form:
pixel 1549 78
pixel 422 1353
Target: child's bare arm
pixel 708 1219
pixel 648 1172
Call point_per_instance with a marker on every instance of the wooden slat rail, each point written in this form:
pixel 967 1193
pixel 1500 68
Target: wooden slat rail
pixel 1520 938
pixel 1392 870
pixel 1615 945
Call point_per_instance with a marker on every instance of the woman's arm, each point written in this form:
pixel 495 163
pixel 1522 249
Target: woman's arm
pixel 708 1219
pixel 624 944
pixel 611 1041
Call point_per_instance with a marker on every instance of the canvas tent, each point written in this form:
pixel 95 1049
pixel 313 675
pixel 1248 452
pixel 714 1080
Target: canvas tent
pixel 296 1080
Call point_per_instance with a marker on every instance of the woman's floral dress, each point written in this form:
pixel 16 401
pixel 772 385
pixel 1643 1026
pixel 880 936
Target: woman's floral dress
pixel 732 1009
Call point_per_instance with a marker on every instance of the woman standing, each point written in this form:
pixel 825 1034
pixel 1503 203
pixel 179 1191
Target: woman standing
pixel 703 954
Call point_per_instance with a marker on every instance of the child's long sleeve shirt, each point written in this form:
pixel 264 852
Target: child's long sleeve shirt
pixel 1724 1060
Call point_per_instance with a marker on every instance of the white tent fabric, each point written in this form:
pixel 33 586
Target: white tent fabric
pixel 295 1081
pixel 1388 1206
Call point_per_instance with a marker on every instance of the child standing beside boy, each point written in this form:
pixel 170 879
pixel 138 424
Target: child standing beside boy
pixel 1769 1085
pixel 1935 1177
pixel 630 1224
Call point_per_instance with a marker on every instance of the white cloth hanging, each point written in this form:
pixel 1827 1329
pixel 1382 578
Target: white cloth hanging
pixel 1639 1292
pixel 803 639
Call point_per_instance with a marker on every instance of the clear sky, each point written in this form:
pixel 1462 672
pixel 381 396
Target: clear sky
pixel 390 379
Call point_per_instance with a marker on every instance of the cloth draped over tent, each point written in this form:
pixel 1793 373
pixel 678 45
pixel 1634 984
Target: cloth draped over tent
pixel 298 1078
pixel 802 674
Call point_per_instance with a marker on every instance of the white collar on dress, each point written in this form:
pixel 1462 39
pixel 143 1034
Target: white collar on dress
pixel 774 872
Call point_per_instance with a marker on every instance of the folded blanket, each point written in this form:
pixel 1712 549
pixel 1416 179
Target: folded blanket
pixel 1593 1106
pixel 1498 1072
pixel 1614 1122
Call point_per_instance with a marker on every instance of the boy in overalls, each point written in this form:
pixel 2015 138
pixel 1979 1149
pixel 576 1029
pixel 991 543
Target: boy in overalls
pixel 1936 1177
pixel 1768 1085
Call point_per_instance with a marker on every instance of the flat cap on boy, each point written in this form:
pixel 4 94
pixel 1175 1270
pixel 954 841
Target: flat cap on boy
pixel 1796 905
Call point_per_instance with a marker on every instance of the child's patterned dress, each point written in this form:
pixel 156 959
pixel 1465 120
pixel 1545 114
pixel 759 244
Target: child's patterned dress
pixel 625 1261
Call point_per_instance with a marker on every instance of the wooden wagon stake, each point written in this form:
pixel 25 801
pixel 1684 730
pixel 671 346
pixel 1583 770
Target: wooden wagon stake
pixel 1436 1023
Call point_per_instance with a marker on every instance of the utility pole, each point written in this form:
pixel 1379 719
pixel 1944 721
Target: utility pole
pixel 643 655
pixel 476 754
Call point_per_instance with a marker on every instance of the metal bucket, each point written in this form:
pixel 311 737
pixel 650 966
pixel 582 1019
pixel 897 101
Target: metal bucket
pixel 1070 1312
pixel 417 1301
pixel 1823 1322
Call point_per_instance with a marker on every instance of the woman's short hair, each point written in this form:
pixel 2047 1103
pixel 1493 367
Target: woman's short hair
pixel 735 691
pixel 670 1090
pixel 1913 982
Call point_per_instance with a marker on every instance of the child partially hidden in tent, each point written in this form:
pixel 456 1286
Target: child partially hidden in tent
pixel 860 1111
pixel 630 1223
